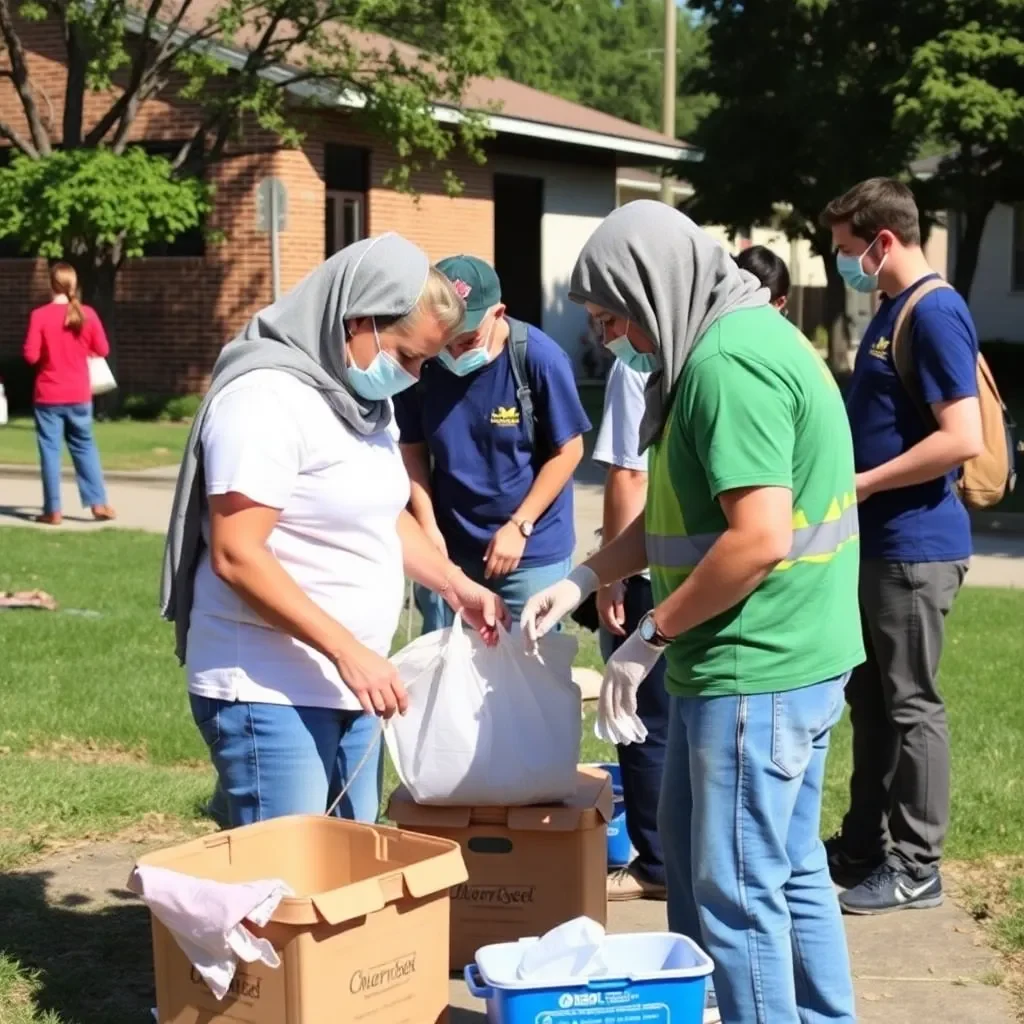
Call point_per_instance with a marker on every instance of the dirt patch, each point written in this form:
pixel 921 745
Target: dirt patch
pixel 65 748
pixel 990 891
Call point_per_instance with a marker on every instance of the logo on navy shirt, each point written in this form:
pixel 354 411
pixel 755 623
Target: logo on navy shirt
pixel 880 349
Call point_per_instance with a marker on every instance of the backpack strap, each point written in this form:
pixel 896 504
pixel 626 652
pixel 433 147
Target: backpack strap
pixel 524 396
pixel 902 350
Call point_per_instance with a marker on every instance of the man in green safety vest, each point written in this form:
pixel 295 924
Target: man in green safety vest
pixel 751 535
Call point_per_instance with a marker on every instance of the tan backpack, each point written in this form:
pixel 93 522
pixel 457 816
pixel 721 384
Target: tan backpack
pixel 989 477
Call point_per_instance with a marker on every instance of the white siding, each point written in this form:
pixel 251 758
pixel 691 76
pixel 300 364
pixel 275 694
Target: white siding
pixel 576 200
pixel 997 309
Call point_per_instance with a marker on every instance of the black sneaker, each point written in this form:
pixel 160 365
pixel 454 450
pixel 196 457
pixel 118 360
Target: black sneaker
pixel 848 871
pixel 889 888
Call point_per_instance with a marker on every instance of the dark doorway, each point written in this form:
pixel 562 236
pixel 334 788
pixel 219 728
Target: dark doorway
pixel 518 208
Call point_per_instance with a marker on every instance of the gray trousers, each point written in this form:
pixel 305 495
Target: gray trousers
pixel 899 790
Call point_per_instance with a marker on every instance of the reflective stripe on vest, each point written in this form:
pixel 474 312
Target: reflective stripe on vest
pixel 812 543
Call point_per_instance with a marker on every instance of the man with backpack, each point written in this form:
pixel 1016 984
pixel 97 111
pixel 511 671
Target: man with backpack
pixel 491 437
pixel 916 419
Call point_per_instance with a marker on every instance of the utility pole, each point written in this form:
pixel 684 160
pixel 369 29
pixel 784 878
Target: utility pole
pixel 668 91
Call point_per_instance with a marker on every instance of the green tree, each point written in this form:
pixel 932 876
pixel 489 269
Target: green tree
pixel 805 109
pixel 964 94
pixel 81 189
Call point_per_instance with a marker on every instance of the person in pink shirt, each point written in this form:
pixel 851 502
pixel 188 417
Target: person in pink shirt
pixel 62 335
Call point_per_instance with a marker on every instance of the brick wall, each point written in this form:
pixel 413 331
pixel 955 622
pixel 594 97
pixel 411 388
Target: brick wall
pixel 173 315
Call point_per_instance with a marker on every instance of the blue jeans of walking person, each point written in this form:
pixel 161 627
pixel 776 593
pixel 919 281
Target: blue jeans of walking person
pixel 747 875
pixel 277 759
pixel 515 590
pixel 56 424
pixel 642 764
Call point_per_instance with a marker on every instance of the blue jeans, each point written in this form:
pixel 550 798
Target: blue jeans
pixel 739 820
pixel 515 590
pixel 73 423
pixel 642 764
pixel 275 759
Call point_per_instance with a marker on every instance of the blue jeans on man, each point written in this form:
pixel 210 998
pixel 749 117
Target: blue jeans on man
pixel 56 424
pixel 274 760
pixel 515 589
pixel 642 764
pixel 747 873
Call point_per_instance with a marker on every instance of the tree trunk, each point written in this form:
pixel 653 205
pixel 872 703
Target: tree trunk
pixel 74 89
pixel 972 223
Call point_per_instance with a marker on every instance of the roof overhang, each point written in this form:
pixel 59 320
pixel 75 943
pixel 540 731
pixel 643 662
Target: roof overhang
pixel 500 123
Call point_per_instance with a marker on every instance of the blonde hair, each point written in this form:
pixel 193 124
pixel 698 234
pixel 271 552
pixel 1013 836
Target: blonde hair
pixel 64 281
pixel 438 299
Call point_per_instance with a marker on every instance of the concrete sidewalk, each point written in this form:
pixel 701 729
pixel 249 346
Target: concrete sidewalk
pixel 143 502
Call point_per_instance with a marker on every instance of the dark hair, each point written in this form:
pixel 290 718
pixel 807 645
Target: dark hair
pixel 878 204
pixel 769 269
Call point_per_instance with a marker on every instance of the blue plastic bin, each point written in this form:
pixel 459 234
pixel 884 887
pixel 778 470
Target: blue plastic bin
pixel 657 978
pixel 620 849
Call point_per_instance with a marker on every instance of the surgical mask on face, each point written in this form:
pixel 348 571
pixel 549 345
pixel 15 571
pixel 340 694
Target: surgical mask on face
pixel 471 361
pixel 622 348
pixel 851 270
pixel 383 378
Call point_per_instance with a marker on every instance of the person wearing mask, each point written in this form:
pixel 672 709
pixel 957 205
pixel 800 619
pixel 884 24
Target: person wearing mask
pixel 620 608
pixel 915 547
pixel 289 539
pixel 750 532
pixel 62 335
pixel 770 270
pixel 492 471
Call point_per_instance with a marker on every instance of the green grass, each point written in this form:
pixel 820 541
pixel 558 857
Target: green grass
pixel 123 445
pixel 96 740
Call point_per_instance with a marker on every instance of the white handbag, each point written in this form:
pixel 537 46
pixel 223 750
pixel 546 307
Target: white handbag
pixel 101 379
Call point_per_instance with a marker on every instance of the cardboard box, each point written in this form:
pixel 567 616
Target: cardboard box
pixel 530 868
pixel 362 942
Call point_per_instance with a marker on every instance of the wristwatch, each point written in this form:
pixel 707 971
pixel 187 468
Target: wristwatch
pixel 650 634
pixel 525 526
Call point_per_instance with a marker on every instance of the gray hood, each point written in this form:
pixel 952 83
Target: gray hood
pixel 652 265
pixel 302 334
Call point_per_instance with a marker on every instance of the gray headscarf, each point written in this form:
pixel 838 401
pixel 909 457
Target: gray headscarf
pixel 302 334
pixel 652 265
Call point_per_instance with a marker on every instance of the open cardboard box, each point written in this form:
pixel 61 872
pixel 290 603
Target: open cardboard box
pixel 530 868
pixel 363 941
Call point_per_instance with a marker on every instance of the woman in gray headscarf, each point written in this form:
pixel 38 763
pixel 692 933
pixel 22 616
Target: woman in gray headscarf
pixel 750 531
pixel 289 539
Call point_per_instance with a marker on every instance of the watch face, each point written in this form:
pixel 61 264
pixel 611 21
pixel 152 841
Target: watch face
pixel 526 529
pixel 647 629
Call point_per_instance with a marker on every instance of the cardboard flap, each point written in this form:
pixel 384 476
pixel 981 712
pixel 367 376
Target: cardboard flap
pixel 436 874
pixel 545 819
pixel 406 813
pixel 351 901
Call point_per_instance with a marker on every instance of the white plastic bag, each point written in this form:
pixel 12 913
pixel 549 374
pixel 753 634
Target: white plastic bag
pixel 571 950
pixel 101 377
pixel 487 726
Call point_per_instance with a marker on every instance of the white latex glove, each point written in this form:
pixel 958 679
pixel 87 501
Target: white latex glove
pixel 544 610
pixel 617 718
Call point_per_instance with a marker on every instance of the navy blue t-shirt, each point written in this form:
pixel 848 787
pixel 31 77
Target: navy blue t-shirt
pixel 483 465
pixel 925 523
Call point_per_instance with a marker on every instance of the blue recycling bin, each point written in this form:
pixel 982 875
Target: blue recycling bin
pixel 620 849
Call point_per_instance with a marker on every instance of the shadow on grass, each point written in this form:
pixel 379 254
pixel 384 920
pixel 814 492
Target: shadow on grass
pixel 95 966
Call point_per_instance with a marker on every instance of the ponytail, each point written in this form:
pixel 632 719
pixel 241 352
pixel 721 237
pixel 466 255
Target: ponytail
pixel 64 281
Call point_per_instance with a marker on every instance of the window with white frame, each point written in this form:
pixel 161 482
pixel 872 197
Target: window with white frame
pixel 1017 265
pixel 346 221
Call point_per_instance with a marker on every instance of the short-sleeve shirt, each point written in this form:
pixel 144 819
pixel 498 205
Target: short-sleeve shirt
pixel 275 440
pixel 618 439
pixel 483 464
pixel 757 407
pixel 927 522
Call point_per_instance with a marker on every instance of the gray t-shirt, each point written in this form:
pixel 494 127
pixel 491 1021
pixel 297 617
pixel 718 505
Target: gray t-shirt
pixel 618 440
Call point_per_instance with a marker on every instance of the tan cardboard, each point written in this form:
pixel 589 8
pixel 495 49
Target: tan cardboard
pixel 363 941
pixel 530 868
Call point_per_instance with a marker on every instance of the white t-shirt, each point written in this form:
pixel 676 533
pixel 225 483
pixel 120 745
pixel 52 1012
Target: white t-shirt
pixel 275 440
pixel 618 440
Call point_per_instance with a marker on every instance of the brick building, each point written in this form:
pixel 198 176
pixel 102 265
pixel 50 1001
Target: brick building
pixel 549 178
